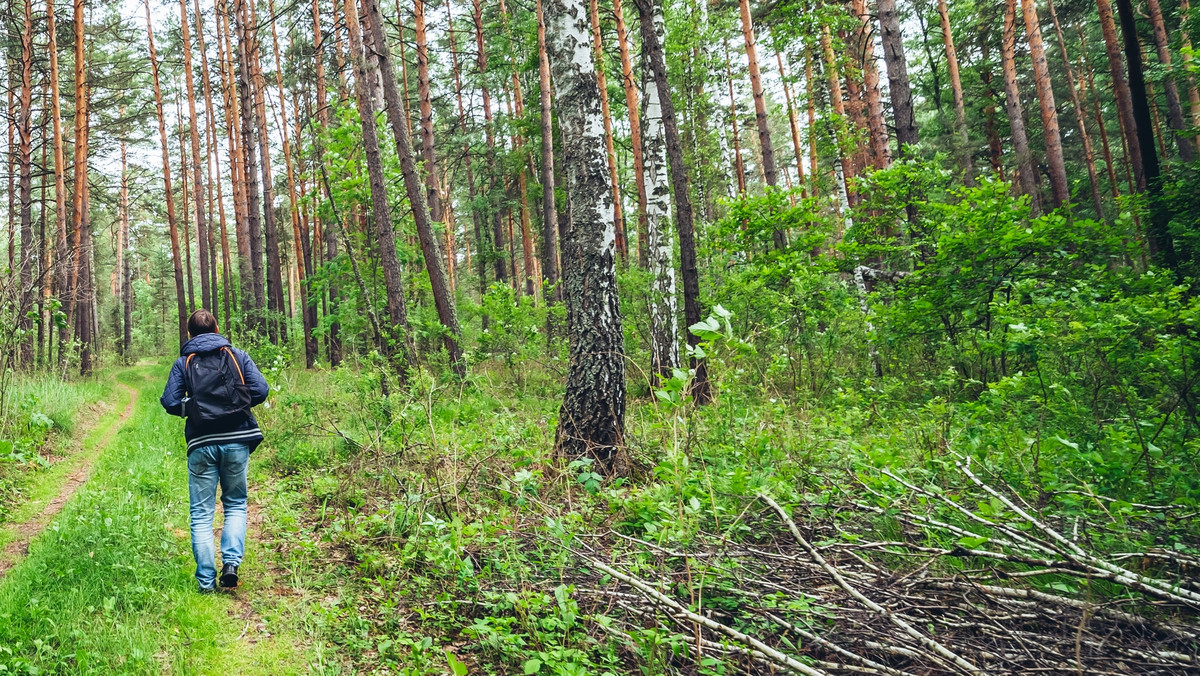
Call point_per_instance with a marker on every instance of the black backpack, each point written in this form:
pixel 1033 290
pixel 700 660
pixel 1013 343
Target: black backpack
pixel 218 396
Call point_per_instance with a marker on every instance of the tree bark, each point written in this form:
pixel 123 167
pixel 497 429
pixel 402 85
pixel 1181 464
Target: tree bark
pixel 960 111
pixel 653 29
pixel 468 161
pixel 253 212
pixel 793 123
pixel 550 271
pixel 425 103
pixel 124 275
pixel 664 333
pixel 206 299
pixel 443 298
pixel 1121 92
pixel 1089 154
pixel 635 128
pixel 386 241
pixel 602 83
pixel 1056 166
pixel 1186 49
pixel 840 127
pixel 330 238
pixel 592 419
pixel 495 252
pixel 167 190
pixel 897 68
pixel 1012 99
pixel 1187 151
pixel 739 168
pixel 770 171
pixel 1162 247
pixel 60 185
pixel 25 187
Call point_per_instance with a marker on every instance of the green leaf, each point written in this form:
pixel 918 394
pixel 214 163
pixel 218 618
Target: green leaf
pixel 532 666
pixel 972 542
pixel 456 665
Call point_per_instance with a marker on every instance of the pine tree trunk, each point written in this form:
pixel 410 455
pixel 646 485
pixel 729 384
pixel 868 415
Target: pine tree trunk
pixel 211 142
pixel 476 216
pixel 635 127
pixel 385 236
pixel 1162 246
pixel 518 103
pixel 1056 166
pixel 60 185
pixel 664 332
pixel 897 68
pixel 653 29
pixel 602 83
pixel 206 298
pixel 812 120
pixel 433 195
pixel 25 186
pixel 550 271
pixel 1186 50
pixel 249 156
pixel 960 111
pixel 330 238
pixel 124 276
pixel 864 45
pixel 839 129
pixel 1012 99
pixel 276 328
pixel 1187 151
pixel 237 169
pixel 1089 154
pixel 1129 126
pixel 592 420
pixel 495 252
pixel 793 123
pixel 167 190
pixel 443 298
pixel 80 178
pixel 739 168
pixel 1089 94
pixel 760 111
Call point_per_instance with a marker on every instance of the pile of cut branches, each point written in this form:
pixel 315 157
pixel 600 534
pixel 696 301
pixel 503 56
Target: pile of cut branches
pixel 1013 588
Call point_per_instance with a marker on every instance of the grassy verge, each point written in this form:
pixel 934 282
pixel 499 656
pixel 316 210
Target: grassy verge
pixel 108 587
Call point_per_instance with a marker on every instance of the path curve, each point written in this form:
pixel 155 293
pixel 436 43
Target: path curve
pixel 16 549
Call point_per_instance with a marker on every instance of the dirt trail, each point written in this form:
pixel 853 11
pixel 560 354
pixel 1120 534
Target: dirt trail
pixel 25 532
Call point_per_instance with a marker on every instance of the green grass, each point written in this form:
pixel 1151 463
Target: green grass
pixel 108 587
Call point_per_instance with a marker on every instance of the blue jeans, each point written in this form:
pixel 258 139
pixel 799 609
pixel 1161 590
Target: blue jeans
pixel 206 466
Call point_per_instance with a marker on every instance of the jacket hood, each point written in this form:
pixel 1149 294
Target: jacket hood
pixel 205 342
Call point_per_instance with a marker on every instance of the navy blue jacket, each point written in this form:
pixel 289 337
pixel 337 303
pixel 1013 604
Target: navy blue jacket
pixel 194 431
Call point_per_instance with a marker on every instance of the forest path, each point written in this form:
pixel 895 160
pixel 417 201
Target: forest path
pixel 107 584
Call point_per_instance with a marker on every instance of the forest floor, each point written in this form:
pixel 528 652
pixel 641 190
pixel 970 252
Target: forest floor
pixel 435 532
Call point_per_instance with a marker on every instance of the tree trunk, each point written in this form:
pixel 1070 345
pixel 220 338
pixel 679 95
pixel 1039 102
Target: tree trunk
pixel 760 112
pixel 187 229
pixel 960 111
pixel 739 168
pixel 812 120
pixel 496 251
pixel 433 195
pixel 1186 49
pixel 211 140
pixel 276 328
pixel 249 157
pixel 602 83
pixel 124 276
pixel 1187 151
pixel 167 190
pixel 1089 154
pixel 1057 167
pixel 664 333
pixel 476 216
pixel 385 236
pixel 206 298
pixel 330 238
pixel 897 68
pixel 635 128
pixel 653 29
pixel 1129 126
pixel 1162 246
pixel 25 187
pixel 793 123
pixel 80 178
pixel 550 271
pixel 443 298
pixel 1012 100
pixel 1086 69
pixel 592 419
pixel 529 267
pixel 839 128
pixel 60 186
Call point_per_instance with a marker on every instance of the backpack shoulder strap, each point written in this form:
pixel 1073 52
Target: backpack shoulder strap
pixel 186 380
pixel 233 357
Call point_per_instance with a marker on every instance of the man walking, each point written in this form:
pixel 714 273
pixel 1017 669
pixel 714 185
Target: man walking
pixel 213 386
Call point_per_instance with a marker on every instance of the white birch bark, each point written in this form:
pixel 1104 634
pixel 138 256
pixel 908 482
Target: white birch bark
pixel 664 333
pixel 593 413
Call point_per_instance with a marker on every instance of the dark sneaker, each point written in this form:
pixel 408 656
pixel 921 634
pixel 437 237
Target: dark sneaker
pixel 229 576
pixel 208 590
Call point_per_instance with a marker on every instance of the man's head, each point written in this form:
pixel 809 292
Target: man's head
pixel 201 321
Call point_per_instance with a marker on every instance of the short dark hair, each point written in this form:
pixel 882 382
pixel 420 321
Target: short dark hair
pixel 202 321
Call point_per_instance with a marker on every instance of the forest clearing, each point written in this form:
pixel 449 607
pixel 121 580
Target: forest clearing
pixel 600 337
